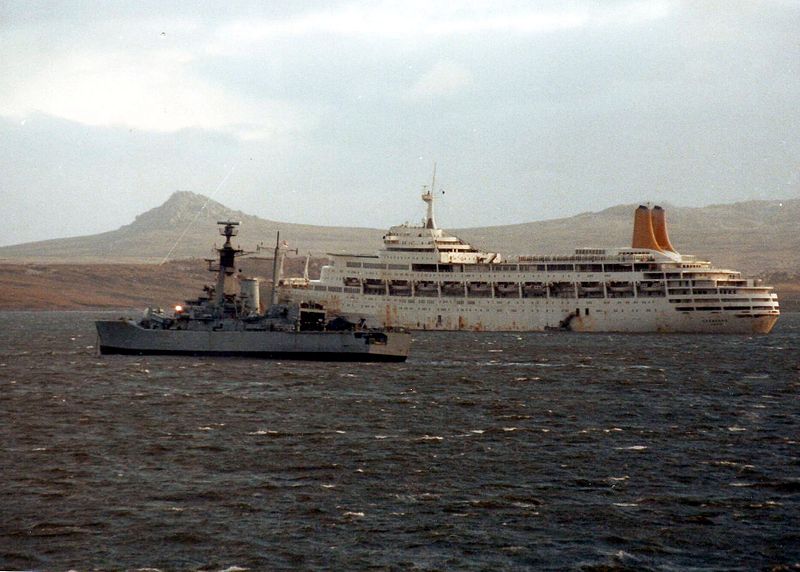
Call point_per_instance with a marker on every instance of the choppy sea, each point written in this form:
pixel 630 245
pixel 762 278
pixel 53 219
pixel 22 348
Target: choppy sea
pixel 553 451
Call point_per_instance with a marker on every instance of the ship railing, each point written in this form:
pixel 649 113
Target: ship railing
pixel 589 258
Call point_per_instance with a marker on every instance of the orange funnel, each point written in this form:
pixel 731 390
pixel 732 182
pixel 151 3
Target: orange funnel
pixel 643 235
pixel 660 229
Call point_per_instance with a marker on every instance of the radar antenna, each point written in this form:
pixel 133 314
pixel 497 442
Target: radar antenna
pixel 229 229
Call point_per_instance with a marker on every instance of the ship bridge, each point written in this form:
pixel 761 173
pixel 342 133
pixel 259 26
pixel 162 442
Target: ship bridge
pixel 426 243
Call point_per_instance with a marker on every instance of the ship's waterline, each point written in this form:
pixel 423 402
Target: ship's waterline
pixel 426 279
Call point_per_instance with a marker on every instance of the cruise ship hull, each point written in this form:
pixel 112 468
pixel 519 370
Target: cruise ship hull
pixel 128 337
pixel 634 315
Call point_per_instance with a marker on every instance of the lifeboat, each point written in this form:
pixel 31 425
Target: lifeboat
pixel 619 289
pixel 479 289
pixel 590 290
pixel 453 289
pixel 374 286
pixel 400 288
pixel 650 288
pixel 506 290
pixel 425 288
pixel 562 289
pixel 534 290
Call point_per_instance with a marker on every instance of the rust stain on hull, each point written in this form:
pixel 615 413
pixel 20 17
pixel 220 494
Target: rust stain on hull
pixel 764 324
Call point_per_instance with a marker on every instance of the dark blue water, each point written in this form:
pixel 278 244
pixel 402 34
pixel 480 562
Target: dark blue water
pixel 482 452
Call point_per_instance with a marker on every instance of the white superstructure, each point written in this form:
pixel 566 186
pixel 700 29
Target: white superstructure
pixel 426 279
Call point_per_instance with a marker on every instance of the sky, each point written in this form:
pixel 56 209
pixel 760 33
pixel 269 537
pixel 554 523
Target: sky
pixel 334 113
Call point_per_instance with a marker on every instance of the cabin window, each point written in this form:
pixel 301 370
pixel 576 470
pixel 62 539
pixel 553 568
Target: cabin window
pixel 354 265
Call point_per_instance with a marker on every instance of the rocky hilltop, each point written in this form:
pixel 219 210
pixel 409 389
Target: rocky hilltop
pixel 185 227
pixel 756 237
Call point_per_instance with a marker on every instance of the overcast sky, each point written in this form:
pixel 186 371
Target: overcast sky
pixel 334 113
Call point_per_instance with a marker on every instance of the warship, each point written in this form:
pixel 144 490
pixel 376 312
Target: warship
pixel 426 279
pixel 226 320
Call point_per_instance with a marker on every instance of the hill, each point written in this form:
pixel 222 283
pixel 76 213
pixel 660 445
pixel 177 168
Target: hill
pixel 756 237
pixel 35 286
pixel 185 227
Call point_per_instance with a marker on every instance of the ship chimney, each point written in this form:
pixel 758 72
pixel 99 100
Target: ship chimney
pixel 643 235
pixel 660 229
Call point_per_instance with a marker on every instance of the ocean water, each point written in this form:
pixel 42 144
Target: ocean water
pixel 549 451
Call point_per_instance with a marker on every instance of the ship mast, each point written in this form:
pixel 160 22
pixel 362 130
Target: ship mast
pixel 276 264
pixel 427 196
pixel 281 248
pixel 227 259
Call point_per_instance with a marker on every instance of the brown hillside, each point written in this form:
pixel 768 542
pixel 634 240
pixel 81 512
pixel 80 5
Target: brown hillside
pixel 77 286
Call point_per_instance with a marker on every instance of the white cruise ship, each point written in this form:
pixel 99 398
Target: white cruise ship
pixel 426 279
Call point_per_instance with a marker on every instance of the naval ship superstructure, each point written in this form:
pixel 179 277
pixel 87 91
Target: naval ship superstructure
pixel 227 321
pixel 424 278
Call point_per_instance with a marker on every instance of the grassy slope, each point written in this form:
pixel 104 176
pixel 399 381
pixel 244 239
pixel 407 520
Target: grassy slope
pixel 753 237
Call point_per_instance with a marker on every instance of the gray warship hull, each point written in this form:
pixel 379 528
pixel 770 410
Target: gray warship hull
pixel 129 337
